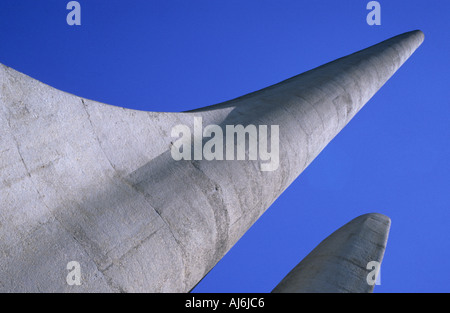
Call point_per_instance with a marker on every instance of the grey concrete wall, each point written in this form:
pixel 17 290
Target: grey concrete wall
pixel 339 264
pixel 85 181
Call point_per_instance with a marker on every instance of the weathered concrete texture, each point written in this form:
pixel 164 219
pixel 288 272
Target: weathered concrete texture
pixel 339 263
pixel 88 182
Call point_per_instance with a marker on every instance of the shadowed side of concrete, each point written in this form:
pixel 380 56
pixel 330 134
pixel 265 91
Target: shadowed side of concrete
pixel 340 262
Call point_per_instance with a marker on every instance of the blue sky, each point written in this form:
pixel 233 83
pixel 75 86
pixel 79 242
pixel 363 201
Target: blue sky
pixel 392 158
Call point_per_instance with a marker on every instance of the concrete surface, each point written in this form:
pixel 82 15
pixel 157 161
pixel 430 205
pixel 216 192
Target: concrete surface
pixel 88 182
pixel 340 263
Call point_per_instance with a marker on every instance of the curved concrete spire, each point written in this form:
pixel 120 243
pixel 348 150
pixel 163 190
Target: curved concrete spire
pixel 88 182
pixel 340 262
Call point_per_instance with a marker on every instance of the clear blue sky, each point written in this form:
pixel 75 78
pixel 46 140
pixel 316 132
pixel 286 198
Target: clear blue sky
pixel 393 157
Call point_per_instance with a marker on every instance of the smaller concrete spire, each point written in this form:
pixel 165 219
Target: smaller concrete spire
pixel 344 262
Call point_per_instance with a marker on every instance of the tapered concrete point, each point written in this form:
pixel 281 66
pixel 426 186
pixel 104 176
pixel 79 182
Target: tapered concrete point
pixel 343 261
pixel 376 218
pixel 419 34
pixel 416 37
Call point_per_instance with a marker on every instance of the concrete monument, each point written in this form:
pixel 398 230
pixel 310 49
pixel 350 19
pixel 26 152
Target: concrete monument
pixel 97 184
